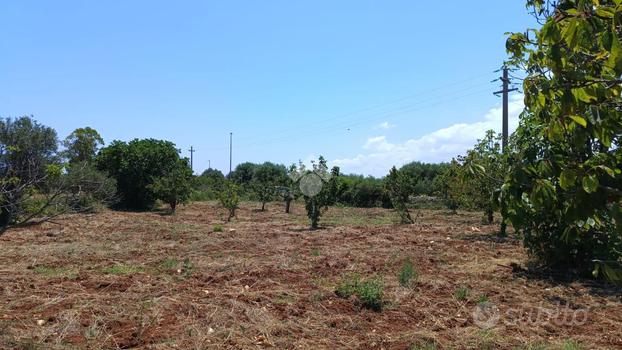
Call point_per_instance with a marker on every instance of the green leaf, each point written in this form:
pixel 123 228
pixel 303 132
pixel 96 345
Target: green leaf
pixel 615 58
pixel 579 120
pixel 584 94
pixel 567 178
pixel 590 183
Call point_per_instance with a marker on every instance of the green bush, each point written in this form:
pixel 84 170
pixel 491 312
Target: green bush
pixel 217 228
pixel 230 199
pixel 136 166
pixel 175 187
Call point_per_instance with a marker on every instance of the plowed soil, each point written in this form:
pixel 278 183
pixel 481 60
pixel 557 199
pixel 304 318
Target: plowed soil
pixel 155 281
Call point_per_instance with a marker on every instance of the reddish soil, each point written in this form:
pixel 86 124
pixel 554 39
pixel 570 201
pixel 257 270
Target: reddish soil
pixel 154 281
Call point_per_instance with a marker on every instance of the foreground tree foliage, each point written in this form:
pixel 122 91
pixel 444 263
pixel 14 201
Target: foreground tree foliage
pixel 564 186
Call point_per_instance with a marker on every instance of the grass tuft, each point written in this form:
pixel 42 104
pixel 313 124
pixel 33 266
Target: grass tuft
pixel 408 275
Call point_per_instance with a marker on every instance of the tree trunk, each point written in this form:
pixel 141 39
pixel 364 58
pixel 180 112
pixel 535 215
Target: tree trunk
pixel 490 215
pixel 263 206
pixel 173 206
pixel 287 204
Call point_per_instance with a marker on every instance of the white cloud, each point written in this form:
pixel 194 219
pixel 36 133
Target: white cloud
pixel 385 126
pixel 439 146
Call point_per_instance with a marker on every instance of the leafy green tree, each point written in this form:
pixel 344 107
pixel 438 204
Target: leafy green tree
pixel 265 180
pixel 208 185
pixel 564 186
pixel 319 188
pixel 399 187
pixel 229 198
pixel 360 191
pixel 450 186
pixel 82 145
pixel 483 174
pixel 423 175
pixel 135 166
pixel 289 190
pixel 175 187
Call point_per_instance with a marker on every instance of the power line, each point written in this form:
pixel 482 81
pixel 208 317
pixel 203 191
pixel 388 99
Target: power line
pixel 383 114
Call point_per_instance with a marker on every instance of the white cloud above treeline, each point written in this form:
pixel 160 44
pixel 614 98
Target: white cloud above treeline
pixel 379 154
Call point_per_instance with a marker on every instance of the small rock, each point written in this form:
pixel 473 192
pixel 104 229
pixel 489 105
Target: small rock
pixel 40 322
pixel 210 330
pixel 231 230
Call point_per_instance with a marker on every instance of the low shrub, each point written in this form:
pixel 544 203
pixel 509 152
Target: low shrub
pixel 368 292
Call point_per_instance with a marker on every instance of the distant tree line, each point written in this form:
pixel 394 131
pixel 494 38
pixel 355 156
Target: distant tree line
pixel 43 177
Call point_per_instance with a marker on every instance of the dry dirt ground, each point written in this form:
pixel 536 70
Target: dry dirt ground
pixel 155 281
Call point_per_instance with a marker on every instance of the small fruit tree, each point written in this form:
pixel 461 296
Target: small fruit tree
pixel 175 187
pixel 318 186
pixel 399 187
pixel 229 198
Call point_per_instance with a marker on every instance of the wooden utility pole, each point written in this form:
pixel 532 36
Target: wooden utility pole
pixel 230 151
pixel 192 150
pixel 506 90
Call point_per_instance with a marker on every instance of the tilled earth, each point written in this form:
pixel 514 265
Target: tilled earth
pixel 191 281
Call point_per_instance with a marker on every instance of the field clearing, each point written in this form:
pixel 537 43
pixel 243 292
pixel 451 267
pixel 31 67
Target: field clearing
pixel 156 281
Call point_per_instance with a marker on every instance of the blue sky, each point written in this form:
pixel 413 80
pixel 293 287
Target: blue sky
pixel 367 84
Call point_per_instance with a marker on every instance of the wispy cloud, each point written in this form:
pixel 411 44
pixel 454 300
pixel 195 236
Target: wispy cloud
pixel 379 154
pixel 385 126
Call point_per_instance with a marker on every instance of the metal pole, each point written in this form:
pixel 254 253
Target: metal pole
pixel 504 142
pixel 230 151
pixel 192 150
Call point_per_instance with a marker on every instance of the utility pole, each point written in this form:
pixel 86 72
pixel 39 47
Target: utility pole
pixel 506 90
pixel 209 164
pixel 192 150
pixel 230 151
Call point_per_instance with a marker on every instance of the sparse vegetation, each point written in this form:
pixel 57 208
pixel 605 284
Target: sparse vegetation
pixel 462 293
pixel 408 275
pixel 369 293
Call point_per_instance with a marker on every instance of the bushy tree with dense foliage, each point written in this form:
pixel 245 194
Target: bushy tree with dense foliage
pixel 136 166
pixel 266 178
pixel 229 198
pixel 422 175
pixel 363 192
pixel 174 187
pixel 82 144
pixel 208 185
pixel 564 186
